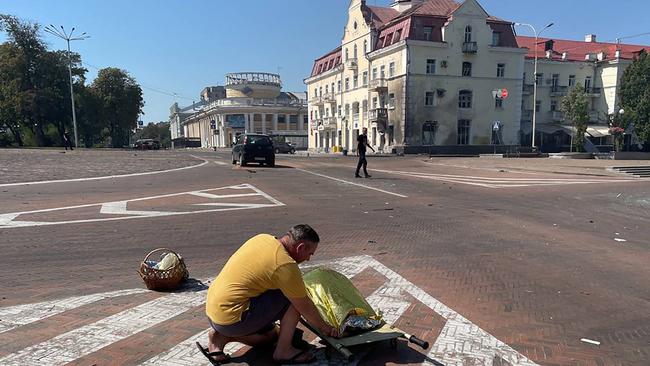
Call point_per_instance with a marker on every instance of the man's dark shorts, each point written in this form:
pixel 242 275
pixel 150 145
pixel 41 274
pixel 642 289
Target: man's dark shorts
pixel 262 312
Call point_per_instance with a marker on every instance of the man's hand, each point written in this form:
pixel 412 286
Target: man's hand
pixel 328 330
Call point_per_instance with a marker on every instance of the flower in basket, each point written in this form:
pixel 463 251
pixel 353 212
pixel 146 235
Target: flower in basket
pixel 616 131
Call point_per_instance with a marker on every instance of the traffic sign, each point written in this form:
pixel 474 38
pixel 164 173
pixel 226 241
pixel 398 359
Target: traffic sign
pixel 500 93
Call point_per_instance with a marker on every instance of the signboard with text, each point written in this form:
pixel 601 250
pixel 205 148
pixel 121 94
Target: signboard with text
pixel 236 121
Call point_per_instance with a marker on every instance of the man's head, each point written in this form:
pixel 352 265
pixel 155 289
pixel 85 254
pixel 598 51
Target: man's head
pixel 301 242
pixel 364 130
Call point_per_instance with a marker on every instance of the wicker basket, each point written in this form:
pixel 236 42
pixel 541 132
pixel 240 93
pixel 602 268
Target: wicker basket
pixel 163 280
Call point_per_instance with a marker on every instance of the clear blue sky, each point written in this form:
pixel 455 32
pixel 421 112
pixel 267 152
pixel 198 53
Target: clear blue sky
pixel 181 46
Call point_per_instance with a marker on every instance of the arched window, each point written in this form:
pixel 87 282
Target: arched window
pixel 467 69
pixel 365 46
pixel 346 54
pixel 429 133
pixel 468 34
pixel 465 99
pixel 355 51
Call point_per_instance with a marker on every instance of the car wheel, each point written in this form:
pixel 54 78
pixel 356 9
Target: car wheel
pixel 293 151
pixel 241 160
pixel 277 151
pixel 234 161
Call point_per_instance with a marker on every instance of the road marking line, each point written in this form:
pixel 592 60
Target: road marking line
pixel 82 341
pixel 108 176
pixel 352 183
pixel 19 315
pixel 8 220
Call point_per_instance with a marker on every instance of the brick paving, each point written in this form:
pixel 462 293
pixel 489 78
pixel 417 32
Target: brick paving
pixel 537 268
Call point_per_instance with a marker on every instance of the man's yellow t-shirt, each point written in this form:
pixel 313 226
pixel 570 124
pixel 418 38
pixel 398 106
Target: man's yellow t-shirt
pixel 261 264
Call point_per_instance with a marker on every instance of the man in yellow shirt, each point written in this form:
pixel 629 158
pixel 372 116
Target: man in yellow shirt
pixel 260 284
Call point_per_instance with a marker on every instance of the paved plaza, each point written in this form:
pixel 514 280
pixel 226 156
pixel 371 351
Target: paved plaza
pixel 492 261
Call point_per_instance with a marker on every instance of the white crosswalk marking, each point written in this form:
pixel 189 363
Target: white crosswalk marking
pixel 506 182
pixel 459 343
pixel 15 316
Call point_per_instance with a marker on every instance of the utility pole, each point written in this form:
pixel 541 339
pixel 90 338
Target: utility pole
pixel 68 37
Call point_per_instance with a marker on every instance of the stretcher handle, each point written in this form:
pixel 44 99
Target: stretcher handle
pixel 418 341
pixel 344 352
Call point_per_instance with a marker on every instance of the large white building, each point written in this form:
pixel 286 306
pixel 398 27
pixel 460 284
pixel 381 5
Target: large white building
pixel 421 76
pixel 250 102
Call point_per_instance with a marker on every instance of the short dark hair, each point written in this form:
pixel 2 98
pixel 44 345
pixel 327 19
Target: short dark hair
pixel 304 232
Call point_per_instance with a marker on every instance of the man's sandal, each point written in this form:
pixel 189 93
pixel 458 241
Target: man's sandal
pixel 212 356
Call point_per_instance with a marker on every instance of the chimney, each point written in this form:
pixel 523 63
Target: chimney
pixel 565 56
pixel 403 5
pixel 590 38
pixel 549 54
pixel 617 54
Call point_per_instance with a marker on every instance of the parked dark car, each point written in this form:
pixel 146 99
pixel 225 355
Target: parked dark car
pixel 147 144
pixel 283 147
pixel 253 148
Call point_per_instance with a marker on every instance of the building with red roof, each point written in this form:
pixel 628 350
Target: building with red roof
pixel 421 76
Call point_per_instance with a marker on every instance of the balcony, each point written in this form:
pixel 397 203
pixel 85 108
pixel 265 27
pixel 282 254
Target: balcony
pixel 329 98
pixel 558 116
pixel 316 101
pixel 351 64
pixel 313 124
pixel 329 123
pixel 378 114
pixel 593 92
pixel 559 91
pixel 379 85
pixel 470 47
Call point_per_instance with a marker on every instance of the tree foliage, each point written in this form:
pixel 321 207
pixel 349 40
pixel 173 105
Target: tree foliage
pixel 635 96
pixel 575 107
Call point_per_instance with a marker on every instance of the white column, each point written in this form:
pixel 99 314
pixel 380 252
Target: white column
pixel 263 122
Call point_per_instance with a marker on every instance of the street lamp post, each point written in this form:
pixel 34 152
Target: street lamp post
pixel 68 37
pixel 535 75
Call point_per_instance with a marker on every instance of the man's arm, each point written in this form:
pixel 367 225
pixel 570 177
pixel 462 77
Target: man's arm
pixel 371 148
pixel 308 310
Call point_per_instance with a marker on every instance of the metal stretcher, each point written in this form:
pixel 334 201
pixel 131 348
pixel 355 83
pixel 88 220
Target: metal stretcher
pixel 384 333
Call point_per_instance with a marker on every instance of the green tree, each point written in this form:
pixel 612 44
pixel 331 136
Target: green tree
pixel 635 96
pixel 121 103
pixel 157 131
pixel 575 107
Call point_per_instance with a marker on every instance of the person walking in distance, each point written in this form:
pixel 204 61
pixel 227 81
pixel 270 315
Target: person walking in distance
pixel 362 143
pixel 66 141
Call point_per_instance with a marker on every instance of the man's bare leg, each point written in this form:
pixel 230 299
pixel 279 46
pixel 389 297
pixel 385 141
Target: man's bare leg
pixel 217 342
pixel 284 349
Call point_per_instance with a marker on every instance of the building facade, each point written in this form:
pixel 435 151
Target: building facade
pixel 421 76
pixel 563 64
pixel 249 102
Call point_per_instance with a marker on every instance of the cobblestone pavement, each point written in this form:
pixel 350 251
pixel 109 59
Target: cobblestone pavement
pixel 28 165
pixel 489 274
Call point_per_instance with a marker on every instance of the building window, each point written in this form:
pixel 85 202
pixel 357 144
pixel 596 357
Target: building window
pixel 355 51
pixel 391 69
pixel 465 99
pixel 347 84
pixel 496 38
pixel 588 83
pixel 538 106
pixel 501 70
pixel 467 69
pixel 463 132
pixel 397 36
pixel 355 81
pixel 315 92
pixel 327 89
pixel 374 73
pixel 320 91
pixel 429 133
pixel 340 111
pixel 429 98
pixel 382 71
pixel 431 66
pixel 365 46
pixel 553 105
pixel 346 55
pixel 428 32
pixel 498 102
pixel 572 80
pixel 468 34
pixel 338 85
pixel 391 100
pixel 365 78
pixel 293 119
pixel 538 78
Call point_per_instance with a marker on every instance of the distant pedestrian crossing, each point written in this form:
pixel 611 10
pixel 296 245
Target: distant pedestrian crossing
pixel 508 182
pixel 459 341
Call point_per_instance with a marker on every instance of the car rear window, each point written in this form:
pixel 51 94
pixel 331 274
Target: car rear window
pixel 258 140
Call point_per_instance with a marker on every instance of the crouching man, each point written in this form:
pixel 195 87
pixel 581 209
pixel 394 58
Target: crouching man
pixel 260 284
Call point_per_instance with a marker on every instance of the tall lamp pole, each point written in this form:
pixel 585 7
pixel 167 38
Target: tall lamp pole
pixel 69 37
pixel 537 34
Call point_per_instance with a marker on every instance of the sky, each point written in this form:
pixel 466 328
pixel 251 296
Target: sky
pixel 174 48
